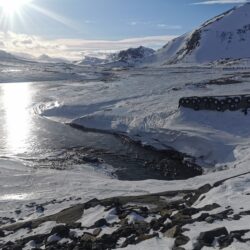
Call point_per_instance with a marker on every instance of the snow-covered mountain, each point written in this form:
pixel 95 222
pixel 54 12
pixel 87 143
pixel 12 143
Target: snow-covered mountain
pixel 47 59
pixel 222 37
pixel 5 56
pixel 90 60
pixel 129 57
pixel 133 55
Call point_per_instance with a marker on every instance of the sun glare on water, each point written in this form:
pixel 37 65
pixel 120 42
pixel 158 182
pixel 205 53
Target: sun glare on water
pixel 10 7
pixel 16 100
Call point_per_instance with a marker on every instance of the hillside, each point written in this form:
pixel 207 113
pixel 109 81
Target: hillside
pixel 226 36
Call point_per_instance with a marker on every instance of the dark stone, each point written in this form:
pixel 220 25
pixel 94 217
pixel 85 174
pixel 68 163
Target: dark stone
pixel 203 217
pixel 209 219
pixel 92 203
pixel 225 241
pixel 18 211
pixel 88 237
pixel 101 223
pixel 2 234
pixel 236 217
pixel 61 230
pixel 181 240
pixel 210 207
pixel 209 236
pixel 97 231
pixel 40 209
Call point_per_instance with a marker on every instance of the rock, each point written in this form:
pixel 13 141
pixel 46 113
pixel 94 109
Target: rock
pixel 75 225
pixel 172 232
pixel 209 219
pixel 203 217
pixel 225 241
pixel 2 234
pixel 97 231
pixel 180 217
pixel 101 223
pixel 141 227
pixel 61 230
pixel 209 236
pixel 236 217
pixel 129 241
pixel 181 240
pixel 178 248
pixel 40 209
pixel 204 189
pixel 92 203
pixel 18 211
pixel 88 237
pixel 166 213
pixel 125 231
pixel 190 211
pixel 155 224
pixel 210 207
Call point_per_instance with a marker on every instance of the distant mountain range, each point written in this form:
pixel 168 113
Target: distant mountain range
pixel 224 37
pixel 129 57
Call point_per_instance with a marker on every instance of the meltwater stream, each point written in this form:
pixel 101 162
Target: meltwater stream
pixel 27 136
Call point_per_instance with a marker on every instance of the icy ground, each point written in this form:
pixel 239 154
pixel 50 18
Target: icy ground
pixel 143 104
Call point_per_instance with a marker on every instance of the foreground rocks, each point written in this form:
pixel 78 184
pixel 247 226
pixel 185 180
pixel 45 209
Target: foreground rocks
pixel 122 221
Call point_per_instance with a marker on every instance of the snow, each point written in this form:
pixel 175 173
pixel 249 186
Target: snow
pixel 143 104
pixel 225 36
pixel 152 244
pixel 94 214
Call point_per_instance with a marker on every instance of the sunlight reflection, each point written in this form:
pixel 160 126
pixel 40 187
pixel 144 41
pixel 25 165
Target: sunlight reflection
pixel 16 99
pixel 17 197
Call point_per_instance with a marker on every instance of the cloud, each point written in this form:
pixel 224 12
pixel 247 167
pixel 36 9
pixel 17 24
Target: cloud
pixel 155 25
pixel 221 2
pixel 74 48
pixel 169 27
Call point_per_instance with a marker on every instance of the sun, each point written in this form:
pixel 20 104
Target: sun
pixel 10 7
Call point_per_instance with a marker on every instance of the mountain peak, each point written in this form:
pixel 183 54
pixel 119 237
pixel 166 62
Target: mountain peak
pixel 224 36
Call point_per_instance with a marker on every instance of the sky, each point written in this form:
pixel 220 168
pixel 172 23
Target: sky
pixel 74 28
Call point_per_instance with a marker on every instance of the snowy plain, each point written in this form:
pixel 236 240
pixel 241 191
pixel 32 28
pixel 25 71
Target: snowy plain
pixel 143 104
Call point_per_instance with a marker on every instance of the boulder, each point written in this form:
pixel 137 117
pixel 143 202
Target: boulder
pixel 208 237
pixel 181 240
pixel 172 232
pixel 61 230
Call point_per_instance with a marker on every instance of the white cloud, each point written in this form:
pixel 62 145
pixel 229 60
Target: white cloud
pixel 73 48
pixel 222 2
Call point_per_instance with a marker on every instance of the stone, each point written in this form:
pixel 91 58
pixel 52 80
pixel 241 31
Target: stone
pixel 209 236
pixel 181 240
pixel 88 237
pixel 172 232
pixel 210 207
pixel 166 213
pixel 101 223
pixel 97 231
pixel 61 230
pixel 236 217
pixel 203 217
pixel 225 241
pixel 209 219
pixel 2 234
pixel 40 209
pixel 92 203
pixel 18 211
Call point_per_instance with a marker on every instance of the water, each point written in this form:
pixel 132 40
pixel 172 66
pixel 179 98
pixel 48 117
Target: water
pixel 40 142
